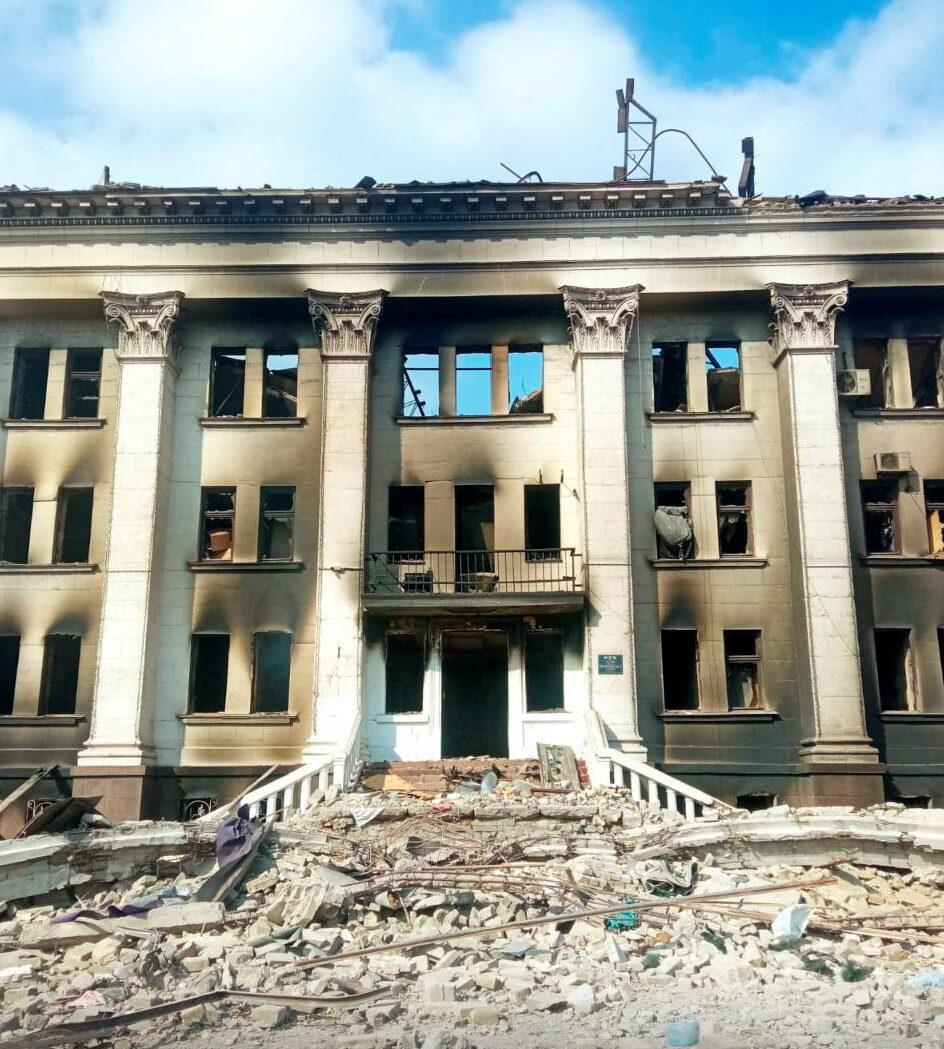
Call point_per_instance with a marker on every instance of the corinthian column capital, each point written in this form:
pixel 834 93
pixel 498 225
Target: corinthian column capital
pixel 601 319
pixel 805 315
pixel 146 324
pixel 347 323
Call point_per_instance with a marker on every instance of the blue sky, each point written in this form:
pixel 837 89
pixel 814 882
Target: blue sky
pixel 843 95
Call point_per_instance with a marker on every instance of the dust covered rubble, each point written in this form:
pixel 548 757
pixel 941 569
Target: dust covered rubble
pixel 322 885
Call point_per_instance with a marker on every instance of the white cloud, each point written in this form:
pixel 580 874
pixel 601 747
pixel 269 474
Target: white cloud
pixel 311 92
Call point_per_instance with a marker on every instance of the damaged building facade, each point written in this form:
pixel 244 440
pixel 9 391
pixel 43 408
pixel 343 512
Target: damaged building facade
pixel 423 471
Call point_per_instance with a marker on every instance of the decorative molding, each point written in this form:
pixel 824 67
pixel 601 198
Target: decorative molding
pixel 146 324
pixel 285 717
pixel 700 417
pixel 347 323
pixel 246 566
pixel 601 319
pixel 50 568
pixel 44 720
pixel 733 561
pixel 52 424
pixel 473 420
pixel 805 315
pixel 717 717
pixel 225 422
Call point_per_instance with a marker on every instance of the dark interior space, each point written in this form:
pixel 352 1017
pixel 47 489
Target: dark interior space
pixel 209 659
pixel 9 660
pixel 60 676
pixel 670 377
pixel 475 536
pixel 475 694
pixel 73 525
pixel 680 669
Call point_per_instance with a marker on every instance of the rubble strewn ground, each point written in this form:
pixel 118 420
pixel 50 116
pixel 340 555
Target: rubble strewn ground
pixel 365 870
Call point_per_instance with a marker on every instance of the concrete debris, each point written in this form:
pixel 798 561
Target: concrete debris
pixel 375 933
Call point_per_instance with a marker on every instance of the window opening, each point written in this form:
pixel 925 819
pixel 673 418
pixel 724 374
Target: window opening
pixel 9 661
pixel 28 392
pixel 73 525
pixel 934 508
pixel 271 671
pixel 925 367
pixel 734 518
pixel 60 675
pixel 544 670
pixel 680 669
pixel 525 380
pixel 880 513
pixel 723 364
pixel 474 381
pixel 227 382
pixel 405 521
pixel 83 384
pixel 276 523
pixel 280 385
pixel 475 538
pixel 218 515
pixel 542 522
pixel 742 664
pixel 675 535
pixel 756 801
pixel 872 356
pixel 405 663
pixel 670 377
pixel 209 666
pixel 16 517
pixel 421 383
pixel 894 669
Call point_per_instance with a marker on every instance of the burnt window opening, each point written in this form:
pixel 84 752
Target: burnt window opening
pixel 16 518
pixel 934 508
pixel 475 538
pixel 60 677
pixel 525 380
pixel 421 383
pixel 83 384
pixel 880 516
pixel 871 355
pixel 406 529
pixel 217 516
pixel 544 670
pixel 675 536
pixel 227 382
pixel 542 525
pixel 209 666
pixel 280 385
pixel 742 669
pixel 9 661
pixel 924 363
pixel 670 377
pixel 276 523
pixel 734 518
pixel 28 392
pixel 723 365
pixel 940 647
pixel 893 666
pixel 405 664
pixel 474 380
pixel 680 670
pixel 73 525
pixel 271 671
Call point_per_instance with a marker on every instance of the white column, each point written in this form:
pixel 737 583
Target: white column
pixel 601 320
pixel 121 731
pixel 829 677
pixel 347 325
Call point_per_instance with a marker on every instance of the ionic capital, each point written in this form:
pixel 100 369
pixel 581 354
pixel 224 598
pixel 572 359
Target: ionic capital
pixel 601 319
pixel 347 323
pixel 805 315
pixel 146 324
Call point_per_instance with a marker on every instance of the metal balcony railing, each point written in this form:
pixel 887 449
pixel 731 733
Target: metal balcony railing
pixel 413 573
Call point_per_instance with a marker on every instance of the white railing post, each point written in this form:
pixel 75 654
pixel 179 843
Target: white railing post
pixel 679 796
pixel 304 794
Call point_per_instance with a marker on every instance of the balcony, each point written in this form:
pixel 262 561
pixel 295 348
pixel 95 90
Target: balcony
pixel 519 581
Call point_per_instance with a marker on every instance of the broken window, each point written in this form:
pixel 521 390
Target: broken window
pixel 60 677
pixel 723 364
pixel 542 522
pixel 28 393
pixel 940 646
pixel 405 521
pixel 227 382
pixel 525 380
pixel 544 670
pixel 73 525
pixel 670 377
pixel 16 516
pixel 9 661
pixel 893 665
pixel 280 385
pixel 680 669
pixel 675 536
pixel 742 667
pixel 217 515
pixel 209 666
pixel 880 513
pixel 734 518
pixel 276 523
pixel 405 662
pixel 83 382
pixel 475 538
pixel 872 356
pixel 934 507
pixel 924 364
pixel 474 380
pixel 421 383
pixel 271 671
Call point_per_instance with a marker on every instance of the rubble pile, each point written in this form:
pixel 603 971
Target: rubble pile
pixel 361 922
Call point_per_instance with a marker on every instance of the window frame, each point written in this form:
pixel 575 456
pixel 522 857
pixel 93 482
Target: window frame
pixel 194 657
pixel 710 359
pixel 20 355
pixel 74 374
pixel 275 515
pixel 216 354
pixel 692 633
pixel 934 507
pixel 222 515
pixel 475 351
pixel 255 706
pixel 541 554
pixel 420 644
pixel 403 556
pixel 876 506
pixel 6 494
pixel 62 508
pixel 528 639
pixel 746 510
pixel 46 684
pixel 754 659
pixel 682 349
pixel 909 684
pixel 15 665
pixel 266 414
pixel 513 399
pixel 406 382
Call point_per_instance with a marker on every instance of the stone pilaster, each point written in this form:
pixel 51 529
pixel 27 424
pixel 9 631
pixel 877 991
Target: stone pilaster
pixel 347 325
pixel 121 730
pixel 829 676
pixel 601 320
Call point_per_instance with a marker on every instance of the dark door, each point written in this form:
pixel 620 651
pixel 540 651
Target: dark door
pixel 475 695
pixel 475 537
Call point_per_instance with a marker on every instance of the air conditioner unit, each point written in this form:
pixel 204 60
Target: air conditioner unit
pixel 854 382
pixel 892 462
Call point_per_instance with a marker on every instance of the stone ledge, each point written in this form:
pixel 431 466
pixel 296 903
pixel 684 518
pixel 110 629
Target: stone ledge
pixel 246 566
pixel 899 413
pixel 701 417
pixel 287 717
pixel 915 717
pixel 52 424
pixel 709 562
pixel 717 717
pixel 46 720
pixel 223 422
pixel 900 561
pixel 68 568
pixel 474 420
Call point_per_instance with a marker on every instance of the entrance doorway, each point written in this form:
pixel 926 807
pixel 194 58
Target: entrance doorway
pixel 475 694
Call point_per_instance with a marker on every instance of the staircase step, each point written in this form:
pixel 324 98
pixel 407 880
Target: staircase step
pixel 442 775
